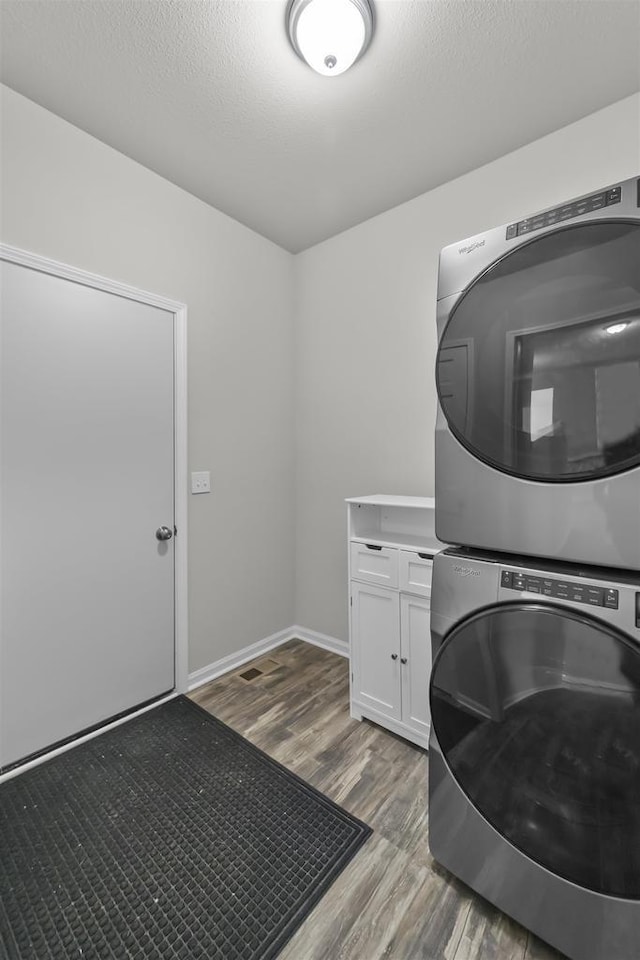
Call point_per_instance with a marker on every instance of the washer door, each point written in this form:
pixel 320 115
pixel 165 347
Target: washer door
pixel 538 370
pixel 537 712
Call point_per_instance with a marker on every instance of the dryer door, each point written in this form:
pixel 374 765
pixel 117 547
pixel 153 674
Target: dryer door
pixel 537 712
pixel 538 370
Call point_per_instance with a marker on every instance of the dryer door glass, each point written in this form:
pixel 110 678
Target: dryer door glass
pixel 538 369
pixel 537 713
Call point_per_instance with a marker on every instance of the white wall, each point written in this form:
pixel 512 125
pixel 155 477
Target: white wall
pixel 362 346
pixel 67 196
pixel 366 336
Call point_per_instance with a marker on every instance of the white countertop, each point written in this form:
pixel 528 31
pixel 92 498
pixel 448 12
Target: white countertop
pixel 388 500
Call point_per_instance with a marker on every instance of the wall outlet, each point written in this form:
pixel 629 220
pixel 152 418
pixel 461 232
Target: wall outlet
pixel 201 482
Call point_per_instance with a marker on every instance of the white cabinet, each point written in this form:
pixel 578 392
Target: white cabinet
pixel 375 617
pixel 391 546
pixel 415 649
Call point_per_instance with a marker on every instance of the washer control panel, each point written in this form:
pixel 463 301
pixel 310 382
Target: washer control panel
pixel 589 593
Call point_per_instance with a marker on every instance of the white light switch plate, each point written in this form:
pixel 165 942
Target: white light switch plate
pixel 201 482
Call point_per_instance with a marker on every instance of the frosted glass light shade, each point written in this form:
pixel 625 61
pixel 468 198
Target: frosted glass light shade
pixel 330 34
pixel 616 327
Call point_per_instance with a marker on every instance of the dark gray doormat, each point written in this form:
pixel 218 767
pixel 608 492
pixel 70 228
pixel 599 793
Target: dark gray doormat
pixel 170 837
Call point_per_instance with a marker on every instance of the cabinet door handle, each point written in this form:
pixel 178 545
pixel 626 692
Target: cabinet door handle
pixel 425 556
pixel 372 546
pixel 394 656
pixel 403 659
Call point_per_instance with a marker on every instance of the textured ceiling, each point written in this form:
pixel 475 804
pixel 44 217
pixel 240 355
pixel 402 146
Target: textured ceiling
pixel 211 96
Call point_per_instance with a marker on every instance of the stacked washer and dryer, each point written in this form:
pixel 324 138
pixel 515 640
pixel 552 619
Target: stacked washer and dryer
pixel 534 758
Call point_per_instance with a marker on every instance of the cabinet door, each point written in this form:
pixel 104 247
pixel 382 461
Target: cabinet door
pixel 375 648
pixel 415 616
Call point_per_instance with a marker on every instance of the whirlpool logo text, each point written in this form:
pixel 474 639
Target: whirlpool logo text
pixel 472 246
pixel 466 571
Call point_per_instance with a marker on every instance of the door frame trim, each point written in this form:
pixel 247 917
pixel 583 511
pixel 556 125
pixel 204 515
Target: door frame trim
pixel 179 310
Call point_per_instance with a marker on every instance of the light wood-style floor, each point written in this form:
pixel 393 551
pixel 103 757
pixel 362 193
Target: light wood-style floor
pixel 392 901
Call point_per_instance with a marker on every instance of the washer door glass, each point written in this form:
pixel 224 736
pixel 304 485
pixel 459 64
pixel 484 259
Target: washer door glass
pixel 537 713
pixel 538 370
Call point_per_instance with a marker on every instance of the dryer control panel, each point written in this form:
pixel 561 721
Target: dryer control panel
pixel 569 210
pixel 589 593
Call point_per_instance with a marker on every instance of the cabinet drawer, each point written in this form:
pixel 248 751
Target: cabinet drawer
pixel 374 564
pixel 415 573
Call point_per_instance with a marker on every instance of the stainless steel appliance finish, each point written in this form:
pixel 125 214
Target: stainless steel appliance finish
pixel 538 376
pixel 534 752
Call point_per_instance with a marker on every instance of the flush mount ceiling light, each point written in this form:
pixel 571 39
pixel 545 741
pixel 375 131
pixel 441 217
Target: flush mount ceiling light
pixel 330 34
pixel 616 327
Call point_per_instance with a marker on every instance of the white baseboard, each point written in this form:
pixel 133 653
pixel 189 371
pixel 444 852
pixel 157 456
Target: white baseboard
pixel 341 647
pixel 235 660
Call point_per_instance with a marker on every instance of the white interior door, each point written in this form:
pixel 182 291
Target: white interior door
pixel 87 470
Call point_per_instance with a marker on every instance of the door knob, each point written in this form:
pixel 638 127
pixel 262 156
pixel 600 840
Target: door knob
pixel 394 656
pixel 403 659
pixel 164 533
